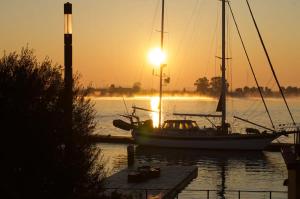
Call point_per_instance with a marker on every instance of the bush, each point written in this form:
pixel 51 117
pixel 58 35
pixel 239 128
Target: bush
pixel 35 162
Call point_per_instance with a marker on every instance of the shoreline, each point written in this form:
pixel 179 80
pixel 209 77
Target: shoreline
pixel 185 96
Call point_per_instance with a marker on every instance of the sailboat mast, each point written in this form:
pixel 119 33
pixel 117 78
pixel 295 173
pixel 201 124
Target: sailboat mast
pixel 223 92
pixel 161 65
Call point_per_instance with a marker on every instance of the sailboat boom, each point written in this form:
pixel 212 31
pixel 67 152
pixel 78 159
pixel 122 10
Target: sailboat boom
pixel 197 115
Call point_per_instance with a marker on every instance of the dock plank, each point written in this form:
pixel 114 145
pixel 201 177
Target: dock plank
pixel 173 179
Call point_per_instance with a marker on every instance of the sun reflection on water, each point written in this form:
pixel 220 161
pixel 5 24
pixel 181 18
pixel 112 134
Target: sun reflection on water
pixel 154 102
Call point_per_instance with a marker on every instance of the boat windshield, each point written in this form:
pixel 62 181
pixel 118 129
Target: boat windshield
pixel 180 124
pixel 194 124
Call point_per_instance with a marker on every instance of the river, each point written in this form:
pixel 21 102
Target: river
pixel 222 171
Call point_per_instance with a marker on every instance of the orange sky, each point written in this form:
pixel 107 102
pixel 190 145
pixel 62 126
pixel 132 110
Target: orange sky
pixel 111 39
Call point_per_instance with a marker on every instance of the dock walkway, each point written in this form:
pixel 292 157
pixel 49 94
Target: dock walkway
pixel 172 180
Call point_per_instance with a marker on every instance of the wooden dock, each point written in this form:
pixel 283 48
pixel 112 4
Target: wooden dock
pixel 129 140
pixel 172 180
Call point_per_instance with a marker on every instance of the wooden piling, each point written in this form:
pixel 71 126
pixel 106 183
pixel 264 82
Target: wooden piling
pixel 292 161
pixel 130 155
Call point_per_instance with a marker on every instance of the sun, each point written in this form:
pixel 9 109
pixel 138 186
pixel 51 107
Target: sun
pixel 157 57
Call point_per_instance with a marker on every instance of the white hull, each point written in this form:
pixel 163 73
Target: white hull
pixel 228 143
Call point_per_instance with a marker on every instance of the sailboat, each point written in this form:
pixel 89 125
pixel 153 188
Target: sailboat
pixel 187 134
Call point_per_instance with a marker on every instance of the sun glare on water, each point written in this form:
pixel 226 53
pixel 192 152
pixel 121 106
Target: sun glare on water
pixel 154 102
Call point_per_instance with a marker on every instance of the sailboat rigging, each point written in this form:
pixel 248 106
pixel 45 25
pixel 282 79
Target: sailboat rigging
pixel 186 133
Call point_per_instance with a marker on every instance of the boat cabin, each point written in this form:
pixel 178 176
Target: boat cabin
pixel 180 124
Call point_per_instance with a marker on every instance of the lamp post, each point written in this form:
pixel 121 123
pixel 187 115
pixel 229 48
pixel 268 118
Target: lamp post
pixel 68 79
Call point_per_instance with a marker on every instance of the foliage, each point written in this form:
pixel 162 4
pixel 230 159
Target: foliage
pixel 213 88
pixel 39 159
pixel 202 85
pixel 136 87
pixel 266 91
pixel 210 88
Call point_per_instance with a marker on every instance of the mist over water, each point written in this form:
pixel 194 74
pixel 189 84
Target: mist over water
pixel 221 171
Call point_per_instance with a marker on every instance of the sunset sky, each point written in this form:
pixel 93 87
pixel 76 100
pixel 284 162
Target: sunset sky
pixel 111 39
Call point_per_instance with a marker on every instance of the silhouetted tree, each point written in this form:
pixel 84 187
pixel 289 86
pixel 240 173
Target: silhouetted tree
pixel 246 90
pixel 136 87
pixel 291 90
pixel 202 85
pixel 34 159
pixel 216 86
pixel 112 87
pixel 267 91
pixel 239 92
pixel 212 87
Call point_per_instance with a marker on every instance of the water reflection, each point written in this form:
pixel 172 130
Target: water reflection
pixel 199 157
pixel 218 170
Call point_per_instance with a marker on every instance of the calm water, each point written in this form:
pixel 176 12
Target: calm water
pixel 218 170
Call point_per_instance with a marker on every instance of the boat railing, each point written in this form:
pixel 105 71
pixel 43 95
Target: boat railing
pixel 239 194
pixel 199 193
pixel 289 127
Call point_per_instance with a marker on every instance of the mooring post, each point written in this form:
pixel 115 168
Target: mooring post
pixel 292 162
pixel 130 155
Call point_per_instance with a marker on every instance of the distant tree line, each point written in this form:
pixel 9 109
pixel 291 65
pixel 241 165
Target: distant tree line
pixel 213 88
pixel 267 92
pixel 114 90
pixel 204 86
